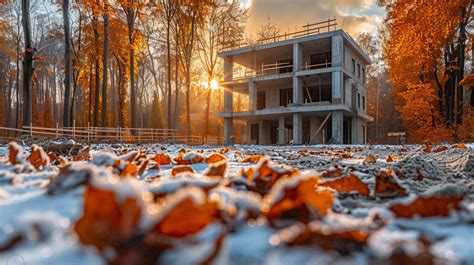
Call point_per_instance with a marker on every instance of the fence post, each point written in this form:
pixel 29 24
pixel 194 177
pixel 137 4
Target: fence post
pixel 88 132
pixel 139 134
pixel 74 129
pixel 31 129
pixel 57 130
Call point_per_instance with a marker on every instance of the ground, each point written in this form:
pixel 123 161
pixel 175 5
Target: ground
pixel 53 211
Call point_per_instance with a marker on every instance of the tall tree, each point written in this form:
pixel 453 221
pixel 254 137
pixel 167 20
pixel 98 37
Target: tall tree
pixel 27 62
pixel 105 59
pixel 132 9
pixel 67 65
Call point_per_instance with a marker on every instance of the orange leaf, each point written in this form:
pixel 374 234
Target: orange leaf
pixel 180 169
pixel 297 198
pixel 214 158
pixel 348 184
pixel 216 169
pixel 38 157
pixel 15 153
pixel 344 241
pixel 105 221
pixel 190 211
pixel 386 185
pixel 370 159
pixel 188 158
pixel 427 207
pixel 252 159
pixel 162 159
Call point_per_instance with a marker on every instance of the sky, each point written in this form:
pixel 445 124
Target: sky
pixel 354 16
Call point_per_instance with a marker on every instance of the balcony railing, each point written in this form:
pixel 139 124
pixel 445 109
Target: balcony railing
pixel 271 69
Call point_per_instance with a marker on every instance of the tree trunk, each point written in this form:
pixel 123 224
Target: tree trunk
pixel 67 65
pixel 168 47
pixel 27 63
pixel 97 72
pixel 105 69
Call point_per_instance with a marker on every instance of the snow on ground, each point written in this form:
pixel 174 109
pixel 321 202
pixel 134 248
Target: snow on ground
pixel 45 222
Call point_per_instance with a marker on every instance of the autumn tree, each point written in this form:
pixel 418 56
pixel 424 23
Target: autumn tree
pixel 132 10
pixel 224 26
pixel 424 48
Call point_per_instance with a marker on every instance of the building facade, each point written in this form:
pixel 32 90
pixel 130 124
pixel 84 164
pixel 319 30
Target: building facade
pixel 304 90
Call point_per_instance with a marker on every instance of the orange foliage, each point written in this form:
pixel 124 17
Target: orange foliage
pixel 427 207
pixel 348 184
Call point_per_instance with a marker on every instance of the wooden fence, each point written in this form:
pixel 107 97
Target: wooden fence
pixel 111 135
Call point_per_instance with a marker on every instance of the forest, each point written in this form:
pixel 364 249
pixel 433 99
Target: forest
pixel 140 64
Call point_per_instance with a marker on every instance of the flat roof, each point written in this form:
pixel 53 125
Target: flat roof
pixel 318 36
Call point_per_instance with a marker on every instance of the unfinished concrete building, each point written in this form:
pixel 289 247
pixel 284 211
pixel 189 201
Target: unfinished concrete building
pixel 306 87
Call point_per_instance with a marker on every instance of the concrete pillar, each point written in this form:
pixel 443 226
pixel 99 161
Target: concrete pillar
pixel 248 138
pixel 264 132
pixel 355 138
pixel 315 122
pixel 297 128
pixel 337 50
pixel 228 68
pixel 337 127
pixel 297 90
pixel 252 96
pixel 281 130
pixel 337 84
pixel 297 81
pixel 228 131
pixel 297 57
pixel 228 122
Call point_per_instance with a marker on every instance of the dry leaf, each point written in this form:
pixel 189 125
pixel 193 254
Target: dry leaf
pixel 370 159
pixel 214 158
pixel 15 154
pixel 106 222
pixel 162 159
pixel 180 169
pixel 190 211
pixel 216 169
pixel 427 207
pixel 348 184
pixel 188 158
pixel 38 157
pixel 345 241
pixel 387 186
pixel 252 159
pixel 298 199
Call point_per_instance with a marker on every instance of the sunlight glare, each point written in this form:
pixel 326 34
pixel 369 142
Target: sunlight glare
pixel 214 84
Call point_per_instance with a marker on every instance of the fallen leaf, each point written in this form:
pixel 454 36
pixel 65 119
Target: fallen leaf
pixel 387 186
pixel 38 157
pixel 427 207
pixel 105 221
pixel 298 199
pixel 216 169
pixel 162 159
pixel 345 241
pixel 214 158
pixel 186 213
pixel 188 158
pixel 348 184
pixel 252 159
pixel 15 154
pixel 370 159
pixel 180 169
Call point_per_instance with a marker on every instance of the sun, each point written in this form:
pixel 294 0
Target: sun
pixel 214 85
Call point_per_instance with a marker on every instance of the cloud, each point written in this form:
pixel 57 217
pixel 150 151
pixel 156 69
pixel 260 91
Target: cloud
pixel 356 16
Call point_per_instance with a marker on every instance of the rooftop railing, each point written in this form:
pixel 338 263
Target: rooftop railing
pixel 308 29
